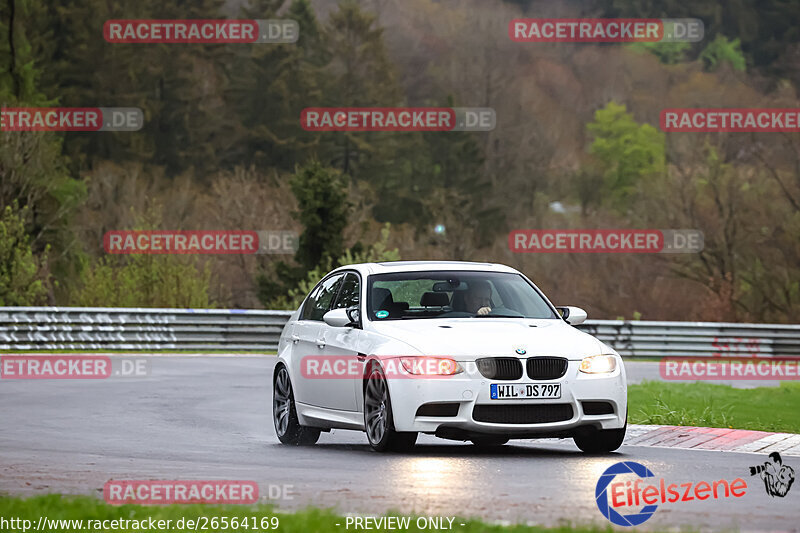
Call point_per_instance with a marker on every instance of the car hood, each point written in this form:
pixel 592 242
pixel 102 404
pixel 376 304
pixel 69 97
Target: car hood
pixel 469 338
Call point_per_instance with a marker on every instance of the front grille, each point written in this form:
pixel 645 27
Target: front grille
pixel 438 409
pixel 503 368
pixel 597 408
pixel 546 367
pixel 522 414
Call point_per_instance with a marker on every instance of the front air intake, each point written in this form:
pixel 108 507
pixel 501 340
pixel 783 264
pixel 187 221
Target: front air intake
pixel 500 368
pixel 546 367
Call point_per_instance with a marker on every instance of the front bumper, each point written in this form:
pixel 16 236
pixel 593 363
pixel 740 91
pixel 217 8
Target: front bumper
pixel 562 417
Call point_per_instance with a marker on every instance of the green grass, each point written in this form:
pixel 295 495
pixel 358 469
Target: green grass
pixel 308 521
pixel 708 405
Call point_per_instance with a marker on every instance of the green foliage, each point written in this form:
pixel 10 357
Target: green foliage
pixel 321 194
pixel 720 51
pixel 270 86
pixel 376 253
pixel 768 29
pixel 627 152
pixel 668 53
pixel 23 280
pixel 18 72
pixel 323 207
pixel 33 171
pixel 145 281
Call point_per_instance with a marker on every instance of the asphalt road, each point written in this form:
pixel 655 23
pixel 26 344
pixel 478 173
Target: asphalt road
pixel 209 418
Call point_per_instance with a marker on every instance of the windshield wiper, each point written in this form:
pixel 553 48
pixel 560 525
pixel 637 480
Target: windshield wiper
pixel 498 316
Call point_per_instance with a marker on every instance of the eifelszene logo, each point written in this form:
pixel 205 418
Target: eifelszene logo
pixel 633 494
pixel 777 477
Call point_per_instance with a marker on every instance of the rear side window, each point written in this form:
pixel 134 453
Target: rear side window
pixel 319 302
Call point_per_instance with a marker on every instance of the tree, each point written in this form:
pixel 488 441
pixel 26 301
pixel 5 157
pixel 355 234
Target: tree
pixel 145 281
pixel 321 194
pixel 33 173
pixel 323 207
pixel 720 51
pixel 377 252
pixel 23 277
pixel 269 87
pixel 362 76
pixel 626 151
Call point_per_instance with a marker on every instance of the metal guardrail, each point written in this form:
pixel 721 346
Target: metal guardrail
pixel 644 338
pixel 106 328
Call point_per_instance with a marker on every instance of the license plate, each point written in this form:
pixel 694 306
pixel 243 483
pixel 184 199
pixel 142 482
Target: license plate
pixel 522 391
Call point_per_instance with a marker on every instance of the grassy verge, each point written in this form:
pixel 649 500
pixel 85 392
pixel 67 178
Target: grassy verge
pixel 56 507
pixel 705 404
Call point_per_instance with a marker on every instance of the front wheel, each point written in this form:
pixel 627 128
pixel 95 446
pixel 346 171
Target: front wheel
pixel 601 441
pixel 378 420
pixel 284 413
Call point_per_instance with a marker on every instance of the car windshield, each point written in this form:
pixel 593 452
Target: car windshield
pixel 454 294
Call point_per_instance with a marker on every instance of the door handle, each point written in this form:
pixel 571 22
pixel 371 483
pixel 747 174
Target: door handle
pixel 361 357
pixel 320 343
pixel 295 339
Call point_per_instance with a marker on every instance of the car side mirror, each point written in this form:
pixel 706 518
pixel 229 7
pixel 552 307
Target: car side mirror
pixel 572 315
pixel 338 318
pixel 354 315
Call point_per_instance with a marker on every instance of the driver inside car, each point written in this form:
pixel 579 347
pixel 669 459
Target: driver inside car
pixel 478 298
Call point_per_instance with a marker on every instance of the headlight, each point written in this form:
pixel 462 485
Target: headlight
pixel 431 366
pixel 599 364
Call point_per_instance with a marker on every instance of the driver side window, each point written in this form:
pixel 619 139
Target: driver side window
pixel 320 299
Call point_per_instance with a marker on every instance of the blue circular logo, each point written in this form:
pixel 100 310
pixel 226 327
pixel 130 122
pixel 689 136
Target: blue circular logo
pixel 382 314
pixel 521 351
pixel 626 467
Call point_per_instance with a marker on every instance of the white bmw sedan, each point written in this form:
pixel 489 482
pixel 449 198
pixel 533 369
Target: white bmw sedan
pixel 463 351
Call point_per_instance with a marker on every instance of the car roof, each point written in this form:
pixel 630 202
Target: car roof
pixel 416 266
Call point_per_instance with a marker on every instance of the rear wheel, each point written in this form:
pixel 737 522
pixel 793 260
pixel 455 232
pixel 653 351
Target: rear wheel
pixel 284 413
pixel 378 420
pixel 601 441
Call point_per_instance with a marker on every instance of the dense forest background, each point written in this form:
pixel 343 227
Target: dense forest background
pixel 577 145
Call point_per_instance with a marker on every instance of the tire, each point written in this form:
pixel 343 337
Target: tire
pixel 489 441
pixel 601 441
pixel 284 413
pixel 378 419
